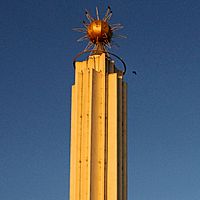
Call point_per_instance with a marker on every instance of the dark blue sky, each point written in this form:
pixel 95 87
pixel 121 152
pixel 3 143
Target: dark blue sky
pixel 37 46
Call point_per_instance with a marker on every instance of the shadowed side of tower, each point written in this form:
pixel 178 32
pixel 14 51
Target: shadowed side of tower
pixel 98 157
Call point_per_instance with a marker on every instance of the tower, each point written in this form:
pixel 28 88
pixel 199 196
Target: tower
pixel 98 154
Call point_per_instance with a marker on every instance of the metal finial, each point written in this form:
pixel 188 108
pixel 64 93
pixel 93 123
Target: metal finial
pixel 100 34
pixel 98 31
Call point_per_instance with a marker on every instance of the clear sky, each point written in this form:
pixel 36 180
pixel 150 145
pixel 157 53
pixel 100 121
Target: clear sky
pixel 37 46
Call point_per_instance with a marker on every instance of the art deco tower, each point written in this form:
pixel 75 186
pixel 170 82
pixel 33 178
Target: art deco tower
pixel 98 157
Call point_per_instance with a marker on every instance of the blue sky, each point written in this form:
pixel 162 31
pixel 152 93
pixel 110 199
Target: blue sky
pixel 37 46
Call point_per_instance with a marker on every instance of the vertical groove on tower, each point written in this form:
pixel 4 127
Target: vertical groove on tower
pixel 73 147
pixel 90 131
pixel 106 132
pixel 119 134
pixel 81 133
pixel 124 130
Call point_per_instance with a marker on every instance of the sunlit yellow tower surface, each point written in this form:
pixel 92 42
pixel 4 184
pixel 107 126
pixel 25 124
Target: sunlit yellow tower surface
pixel 98 154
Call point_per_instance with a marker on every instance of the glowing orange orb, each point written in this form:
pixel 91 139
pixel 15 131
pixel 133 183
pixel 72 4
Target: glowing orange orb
pixel 99 31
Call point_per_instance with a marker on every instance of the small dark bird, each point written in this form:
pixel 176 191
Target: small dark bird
pixel 134 72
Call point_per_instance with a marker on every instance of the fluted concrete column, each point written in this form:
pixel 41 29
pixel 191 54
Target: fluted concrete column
pixel 98 157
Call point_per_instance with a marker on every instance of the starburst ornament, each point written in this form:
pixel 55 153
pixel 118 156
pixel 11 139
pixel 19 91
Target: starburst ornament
pixel 99 32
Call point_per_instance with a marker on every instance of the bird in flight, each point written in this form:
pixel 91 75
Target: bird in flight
pixel 134 72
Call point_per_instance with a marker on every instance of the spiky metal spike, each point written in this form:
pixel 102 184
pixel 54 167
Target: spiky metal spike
pixel 115 27
pixel 97 13
pixel 85 37
pixel 85 24
pixel 108 17
pixel 91 19
pixel 119 36
pixel 118 24
pixel 82 30
pixel 89 45
pixel 107 13
pixel 108 45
